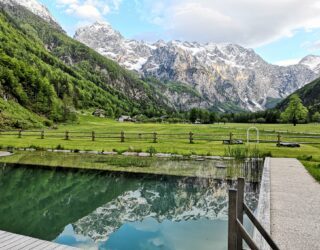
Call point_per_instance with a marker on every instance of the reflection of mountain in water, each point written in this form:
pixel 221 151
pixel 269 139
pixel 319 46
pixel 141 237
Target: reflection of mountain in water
pixel 41 203
pixel 177 200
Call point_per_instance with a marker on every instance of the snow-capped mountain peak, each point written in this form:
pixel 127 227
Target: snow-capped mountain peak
pixel 35 7
pixel 215 74
pixel 312 62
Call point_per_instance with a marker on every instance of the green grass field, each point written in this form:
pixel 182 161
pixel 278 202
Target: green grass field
pixel 166 143
pixel 172 144
pixel 132 164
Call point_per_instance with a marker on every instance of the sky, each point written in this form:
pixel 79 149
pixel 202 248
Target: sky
pixel 281 31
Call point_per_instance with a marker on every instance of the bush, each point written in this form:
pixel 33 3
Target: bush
pixel 305 158
pixel 152 151
pixel 59 147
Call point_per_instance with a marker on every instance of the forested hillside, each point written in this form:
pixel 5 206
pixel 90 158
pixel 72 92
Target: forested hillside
pixel 310 96
pixel 52 75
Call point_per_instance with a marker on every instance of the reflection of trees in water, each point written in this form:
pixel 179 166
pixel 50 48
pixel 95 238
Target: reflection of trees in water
pixel 40 203
pixel 175 199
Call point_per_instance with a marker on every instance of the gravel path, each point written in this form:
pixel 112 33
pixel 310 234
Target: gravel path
pixel 295 206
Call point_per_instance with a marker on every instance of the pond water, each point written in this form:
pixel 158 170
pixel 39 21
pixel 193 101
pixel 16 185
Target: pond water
pixel 96 210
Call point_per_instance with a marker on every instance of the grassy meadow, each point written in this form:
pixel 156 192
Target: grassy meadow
pixel 207 138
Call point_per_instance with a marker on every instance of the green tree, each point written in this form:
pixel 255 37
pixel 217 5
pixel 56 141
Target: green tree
pixel 316 117
pixel 224 120
pixel 193 115
pixel 295 111
pixel 261 120
pixel 213 117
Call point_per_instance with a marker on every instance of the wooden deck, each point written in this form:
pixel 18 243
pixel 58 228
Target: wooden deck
pixel 14 242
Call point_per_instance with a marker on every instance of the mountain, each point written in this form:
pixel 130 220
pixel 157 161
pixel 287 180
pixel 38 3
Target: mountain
pixel 49 76
pixel 222 76
pixel 309 94
pixel 36 8
pixel 312 62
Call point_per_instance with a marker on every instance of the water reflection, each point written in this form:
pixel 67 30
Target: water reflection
pixel 107 211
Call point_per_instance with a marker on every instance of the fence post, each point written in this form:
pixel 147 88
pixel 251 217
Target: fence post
pixel 42 134
pixel 122 136
pixel 232 221
pixel 240 198
pixel 154 137
pixel 279 139
pixel 20 133
pixel 93 135
pixel 191 137
pixel 231 138
pixel 66 135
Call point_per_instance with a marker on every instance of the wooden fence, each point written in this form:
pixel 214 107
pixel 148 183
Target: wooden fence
pixel 154 137
pixel 236 231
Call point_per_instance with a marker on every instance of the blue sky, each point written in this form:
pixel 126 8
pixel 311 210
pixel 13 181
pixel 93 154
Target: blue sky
pixel 281 31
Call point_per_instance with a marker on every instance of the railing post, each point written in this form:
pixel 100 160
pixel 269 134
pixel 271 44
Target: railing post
pixel 191 137
pixel 42 134
pixel 154 137
pixel 93 135
pixel 66 137
pixel 240 198
pixel 232 220
pixel 20 133
pixel 279 139
pixel 231 138
pixel 122 136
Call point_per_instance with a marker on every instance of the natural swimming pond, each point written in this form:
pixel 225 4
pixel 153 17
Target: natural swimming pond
pixel 99 210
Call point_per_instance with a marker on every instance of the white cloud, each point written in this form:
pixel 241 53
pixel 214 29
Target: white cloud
pixel 246 22
pixel 312 46
pixel 89 10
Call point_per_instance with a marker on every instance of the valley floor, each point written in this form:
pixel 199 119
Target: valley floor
pixel 174 138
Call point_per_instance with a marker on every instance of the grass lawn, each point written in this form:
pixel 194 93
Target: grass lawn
pixel 131 164
pixel 170 144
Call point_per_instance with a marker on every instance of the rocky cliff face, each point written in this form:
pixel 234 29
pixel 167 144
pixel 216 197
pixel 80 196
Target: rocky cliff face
pixel 312 62
pixel 35 7
pixel 222 74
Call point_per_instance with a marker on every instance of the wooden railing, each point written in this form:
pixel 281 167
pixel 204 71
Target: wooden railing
pixel 154 137
pixel 236 231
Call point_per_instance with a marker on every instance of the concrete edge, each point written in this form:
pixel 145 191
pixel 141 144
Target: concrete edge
pixel 3 153
pixel 263 210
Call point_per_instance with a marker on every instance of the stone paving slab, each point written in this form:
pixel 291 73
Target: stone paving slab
pixel 295 206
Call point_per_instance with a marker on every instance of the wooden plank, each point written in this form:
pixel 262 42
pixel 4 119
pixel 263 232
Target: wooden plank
pixel 246 236
pixel 37 243
pixel 232 220
pixel 260 228
pixel 17 244
pixel 240 204
pixel 10 241
pixel 2 232
pixel 6 237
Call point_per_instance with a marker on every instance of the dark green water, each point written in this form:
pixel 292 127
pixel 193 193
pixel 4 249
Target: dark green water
pixel 107 211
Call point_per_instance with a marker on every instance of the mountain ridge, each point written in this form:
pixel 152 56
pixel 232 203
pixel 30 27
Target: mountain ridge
pixel 51 75
pixel 219 72
pixel 36 8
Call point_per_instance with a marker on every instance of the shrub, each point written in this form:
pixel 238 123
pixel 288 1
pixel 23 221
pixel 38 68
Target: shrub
pixel 59 147
pixel 152 151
